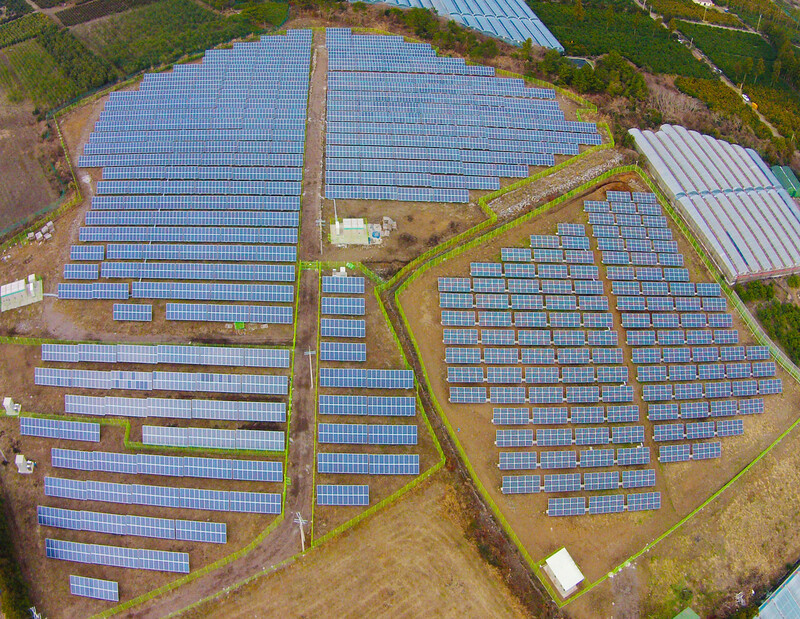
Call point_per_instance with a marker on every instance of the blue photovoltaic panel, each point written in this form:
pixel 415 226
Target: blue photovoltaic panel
pixel 638 478
pixel 342 306
pixel 517 460
pixel 133 312
pixel 394 464
pixel 706 451
pixel 106 590
pixel 454 318
pixel 631 456
pixel 345 495
pixel 60 429
pixel 342 328
pixel 342 285
pixel 674 453
pixel 609 504
pixel 595 458
pixel 521 484
pixel 343 351
pixel 347 463
pixel 566 506
pixel 643 501
pixel 562 482
pixel 158 560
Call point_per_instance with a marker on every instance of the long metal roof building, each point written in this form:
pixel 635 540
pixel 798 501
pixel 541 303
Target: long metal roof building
pixel 731 200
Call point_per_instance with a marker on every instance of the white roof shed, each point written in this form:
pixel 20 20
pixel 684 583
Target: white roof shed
pixel 563 572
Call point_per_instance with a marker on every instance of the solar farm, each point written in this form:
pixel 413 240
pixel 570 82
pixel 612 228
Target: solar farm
pixel 209 388
pixel 594 374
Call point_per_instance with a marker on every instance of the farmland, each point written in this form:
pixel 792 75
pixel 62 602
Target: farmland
pixel 688 10
pixel 618 25
pixel 22 28
pixel 94 9
pixel 38 75
pixel 162 32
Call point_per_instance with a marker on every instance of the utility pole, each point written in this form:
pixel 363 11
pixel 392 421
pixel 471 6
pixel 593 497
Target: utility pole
pixel 310 353
pixel 301 522
pixel 758 25
pixel 321 224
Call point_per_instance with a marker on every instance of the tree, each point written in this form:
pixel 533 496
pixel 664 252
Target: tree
pixel 758 70
pixel 776 71
pixel 673 25
pixel 527 48
pixel 579 13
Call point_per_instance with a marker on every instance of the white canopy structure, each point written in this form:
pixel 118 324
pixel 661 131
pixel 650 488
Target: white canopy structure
pixel 730 199
pixel 562 570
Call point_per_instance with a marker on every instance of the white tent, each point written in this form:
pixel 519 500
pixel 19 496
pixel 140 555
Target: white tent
pixel 562 570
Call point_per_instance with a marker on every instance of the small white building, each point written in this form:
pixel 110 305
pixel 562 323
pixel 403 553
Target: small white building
pixel 706 3
pixel 562 570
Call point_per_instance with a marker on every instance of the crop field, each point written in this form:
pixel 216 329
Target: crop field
pixel 622 26
pixel 686 9
pixel 160 32
pixel 598 543
pixel 729 49
pixel 94 9
pixel 37 74
pixel 22 28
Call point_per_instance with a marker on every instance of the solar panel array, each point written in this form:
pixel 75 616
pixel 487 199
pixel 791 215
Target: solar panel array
pixel 534 338
pixel 405 124
pixel 201 165
pixel 115 556
pixel 684 343
pixel 513 21
pixel 340 359
pixel 106 590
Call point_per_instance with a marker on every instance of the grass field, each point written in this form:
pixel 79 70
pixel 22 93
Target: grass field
pixel 162 32
pixel 38 75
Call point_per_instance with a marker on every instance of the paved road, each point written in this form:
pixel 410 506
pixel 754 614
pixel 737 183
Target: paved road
pixel 284 542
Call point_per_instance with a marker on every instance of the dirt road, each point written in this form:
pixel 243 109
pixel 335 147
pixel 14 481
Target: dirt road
pixel 284 542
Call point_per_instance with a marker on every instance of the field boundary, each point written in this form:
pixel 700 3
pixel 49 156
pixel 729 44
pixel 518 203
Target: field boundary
pixel 749 321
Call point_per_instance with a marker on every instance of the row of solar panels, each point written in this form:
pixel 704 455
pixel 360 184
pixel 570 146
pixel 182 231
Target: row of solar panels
pixel 403 194
pixel 161 353
pixel 187 234
pixel 698 391
pixel 342 495
pixel 239 159
pixel 679 337
pixel 367 464
pixel 662 289
pixel 213 438
pixel 163 496
pixel 402 179
pixel 168 408
pixel 366 434
pixel 260 314
pixel 609 504
pixel 60 429
pixel 223 173
pixel 423 115
pixel 537 375
pixel 202 203
pixel 464 155
pixel 553 415
pixel 180 270
pixel 571 482
pixel 564 356
pixel 445 126
pixel 421 140
pixel 95 588
pixel 138 526
pixel 115 556
pixel 675 321
pixel 534 337
pixel 261 219
pixel 685 452
pixel 632 232
pixel 421 166
pixel 556 320
pixel 629 220
pixel 541 395
pixel 383 406
pixel 520 286
pixel 700 410
pixel 188 136
pixel 171 466
pixel 211 253
pixel 591 458
pixel 270 188
pixel 263 384
pixel 541 271
pixel 464 300
pixel 669 304
pixel 642 259
pixel 697 430
pixel 712 371
pixel 561 437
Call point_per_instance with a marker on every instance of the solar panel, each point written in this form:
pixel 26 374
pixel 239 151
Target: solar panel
pixel 643 501
pixel 706 451
pixel 517 460
pixel 342 285
pixel 566 506
pixel 610 504
pixel 521 484
pixel 674 453
pixel 95 588
pixel 342 495
pixel 631 456
pixel 159 560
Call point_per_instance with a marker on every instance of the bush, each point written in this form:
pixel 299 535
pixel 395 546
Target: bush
pixel 22 28
pixel 14 597
pixel 686 9
pixel 793 281
pixel 12 9
pixel 755 291
pixel 781 321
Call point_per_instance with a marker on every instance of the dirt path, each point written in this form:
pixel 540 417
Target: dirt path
pixel 310 244
pixel 284 542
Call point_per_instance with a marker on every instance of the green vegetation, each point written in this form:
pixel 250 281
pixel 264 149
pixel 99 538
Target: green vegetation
pixel 793 281
pixel 612 75
pixel 166 30
pixel 781 321
pixel 448 36
pixel 686 9
pixel 94 9
pixel 83 68
pixel 722 100
pixel 22 28
pixel 11 9
pixel 607 25
pixel 14 597
pixel 780 106
pixel 39 76
pixel 736 53
pixel 760 13
pixel 755 291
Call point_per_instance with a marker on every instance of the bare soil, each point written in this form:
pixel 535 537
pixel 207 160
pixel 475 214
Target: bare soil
pixel 414 559
pixel 598 543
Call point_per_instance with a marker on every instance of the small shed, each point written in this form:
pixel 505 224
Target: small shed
pixel 561 569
